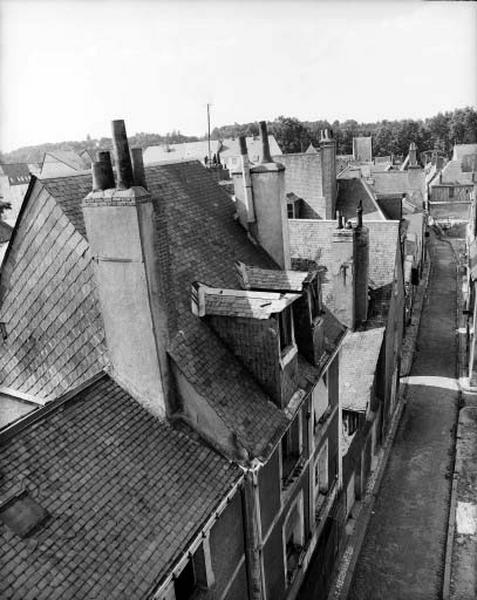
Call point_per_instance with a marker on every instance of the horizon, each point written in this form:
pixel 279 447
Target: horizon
pixel 373 62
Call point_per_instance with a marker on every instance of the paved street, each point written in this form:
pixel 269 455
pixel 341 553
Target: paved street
pixel 403 551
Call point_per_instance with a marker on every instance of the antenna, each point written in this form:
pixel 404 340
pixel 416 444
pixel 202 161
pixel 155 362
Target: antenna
pixel 208 131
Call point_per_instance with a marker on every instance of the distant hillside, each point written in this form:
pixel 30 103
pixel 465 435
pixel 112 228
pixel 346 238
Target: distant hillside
pixel 35 153
pixel 439 132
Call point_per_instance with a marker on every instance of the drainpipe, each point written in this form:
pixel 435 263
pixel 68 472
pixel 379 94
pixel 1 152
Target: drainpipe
pixel 253 534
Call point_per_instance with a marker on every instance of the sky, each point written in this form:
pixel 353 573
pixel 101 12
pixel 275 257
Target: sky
pixel 67 68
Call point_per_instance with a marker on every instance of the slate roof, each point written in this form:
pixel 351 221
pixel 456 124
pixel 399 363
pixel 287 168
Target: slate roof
pixel 350 193
pixel 187 203
pixel 230 147
pixel 357 375
pixel 254 278
pixel 17 173
pixel 184 151
pixel 125 493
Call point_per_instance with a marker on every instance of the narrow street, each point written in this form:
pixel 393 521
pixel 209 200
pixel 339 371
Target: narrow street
pixel 403 552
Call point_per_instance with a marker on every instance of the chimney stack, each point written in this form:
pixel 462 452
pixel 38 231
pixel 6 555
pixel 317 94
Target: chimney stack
pixel 413 155
pixel 266 156
pixel 104 157
pixel 120 229
pixel 349 272
pixel 328 171
pixel 270 227
pixel 122 156
pixel 138 168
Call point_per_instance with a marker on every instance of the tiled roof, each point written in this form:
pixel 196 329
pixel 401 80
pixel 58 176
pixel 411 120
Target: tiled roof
pixel 55 337
pixel 17 173
pixel 254 278
pixel 187 203
pixel 358 360
pixel 350 193
pixel 125 493
pixel 243 303
pixel 311 239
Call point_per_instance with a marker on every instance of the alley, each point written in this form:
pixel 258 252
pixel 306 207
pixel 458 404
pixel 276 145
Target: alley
pixel 403 551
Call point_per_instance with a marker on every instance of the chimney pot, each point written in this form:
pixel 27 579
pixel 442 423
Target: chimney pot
pixel 104 157
pixel 339 220
pixel 121 155
pixel 98 172
pixel 267 157
pixel 243 145
pixel 138 167
pixel 359 214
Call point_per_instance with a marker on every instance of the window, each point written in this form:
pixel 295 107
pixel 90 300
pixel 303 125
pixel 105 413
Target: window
pixel 285 327
pixel 292 446
pixel 350 422
pixel 320 403
pixel 192 578
pixel 294 538
pixel 321 478
pixel 451 192
pixel 314 298
pixel 291 210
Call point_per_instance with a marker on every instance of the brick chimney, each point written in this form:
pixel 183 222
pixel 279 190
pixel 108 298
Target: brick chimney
pixel 270 228
pixel 243 187
pixel 120 230
pixel 328 171
pixel 349 272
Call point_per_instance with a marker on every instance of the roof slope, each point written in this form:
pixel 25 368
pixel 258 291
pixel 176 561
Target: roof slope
pixel 17 173
pixel 187 203
pixel 357 375
pixel 452 173
pixel 126 495
pixel 350 193
pixel 70 158
pixel 461 150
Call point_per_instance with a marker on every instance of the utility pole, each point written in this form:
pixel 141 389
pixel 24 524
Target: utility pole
pixel 208 131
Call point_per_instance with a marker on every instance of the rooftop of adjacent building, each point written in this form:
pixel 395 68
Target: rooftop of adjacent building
pixel 93 484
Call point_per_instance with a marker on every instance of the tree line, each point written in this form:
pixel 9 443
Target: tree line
pixel 439 132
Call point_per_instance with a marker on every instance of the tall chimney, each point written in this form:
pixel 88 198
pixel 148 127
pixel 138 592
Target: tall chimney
pixel 104 157
pixel 270 228
pixel 266 156
pixel 328 171
pixel 349 272
pixel 413 155
pixel 120 229
pixel 138 167
pixel 121 155
pixel 361 266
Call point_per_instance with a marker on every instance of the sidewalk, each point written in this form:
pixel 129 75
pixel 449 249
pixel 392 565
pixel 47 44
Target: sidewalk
pixel 341 585
pixel 460 574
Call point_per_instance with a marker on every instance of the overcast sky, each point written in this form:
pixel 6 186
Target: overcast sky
pixel 68 68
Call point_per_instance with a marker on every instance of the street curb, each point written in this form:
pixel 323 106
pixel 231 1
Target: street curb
pixel 460 370
pixel 340 587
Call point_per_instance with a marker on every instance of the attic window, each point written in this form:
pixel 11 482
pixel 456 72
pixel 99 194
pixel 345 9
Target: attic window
pixel 22 514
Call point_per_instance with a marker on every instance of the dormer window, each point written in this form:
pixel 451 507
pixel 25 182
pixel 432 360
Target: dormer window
pixel 285 325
